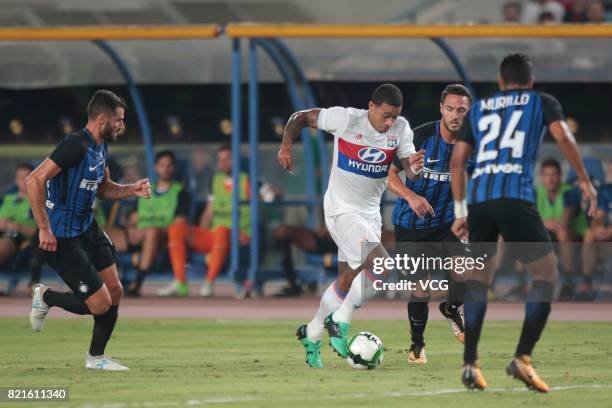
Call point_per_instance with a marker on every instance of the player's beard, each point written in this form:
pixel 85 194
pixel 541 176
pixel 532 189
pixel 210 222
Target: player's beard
pixel 448 127
pixel 108 135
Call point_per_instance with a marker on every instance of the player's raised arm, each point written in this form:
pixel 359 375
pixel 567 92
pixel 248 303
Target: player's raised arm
pixel 413 164
pixel 112 191
pixel 295 124
pixel 411 160
pixel 36 183
pixel 418 204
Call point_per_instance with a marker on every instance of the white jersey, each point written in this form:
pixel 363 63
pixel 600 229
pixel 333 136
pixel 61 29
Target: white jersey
pixel 362 157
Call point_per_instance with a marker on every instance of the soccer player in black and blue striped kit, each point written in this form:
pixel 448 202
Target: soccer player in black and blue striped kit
pixel 505 131
pixel 424 213
pixel 62 190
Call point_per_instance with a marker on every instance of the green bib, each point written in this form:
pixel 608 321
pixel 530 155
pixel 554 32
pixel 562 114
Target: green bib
pixel 222 203
pixel 159 210
pixel 548 210
pixel 99 214
pixel 17 209
pixel 554 210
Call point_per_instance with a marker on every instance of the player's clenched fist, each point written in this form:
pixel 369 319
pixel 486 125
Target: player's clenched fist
pixel 285 158
pixel 417 161
pixel 142 188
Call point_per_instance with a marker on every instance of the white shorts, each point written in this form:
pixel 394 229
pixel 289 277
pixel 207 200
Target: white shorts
pixel 349 231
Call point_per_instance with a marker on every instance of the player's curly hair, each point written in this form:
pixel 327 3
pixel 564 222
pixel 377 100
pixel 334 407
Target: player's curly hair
pixel 389 94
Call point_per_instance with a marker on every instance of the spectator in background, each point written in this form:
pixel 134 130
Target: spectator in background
pixel 212 235
pixel 169 204
pixel 511 12
pixel 312 242
pixel 546 18
pixel 532 10
pixel 596 12
pixel 203 172
pixel 577 12
pixel 17 225
pixel 550 203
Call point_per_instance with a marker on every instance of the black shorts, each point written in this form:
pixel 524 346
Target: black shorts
pixel 438 241
pixel 517 221
pixel 79 259
pixel 431 242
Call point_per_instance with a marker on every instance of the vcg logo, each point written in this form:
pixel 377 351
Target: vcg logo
pixel 372 155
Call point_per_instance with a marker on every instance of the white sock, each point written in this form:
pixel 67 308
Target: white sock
pixel 356 297
pixel 330 301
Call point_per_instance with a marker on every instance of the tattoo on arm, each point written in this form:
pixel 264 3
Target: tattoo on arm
pixel 112 191
pixel 297 122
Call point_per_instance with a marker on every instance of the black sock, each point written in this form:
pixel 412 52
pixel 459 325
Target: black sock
pixel 537 310
pixel 36 273
pixel 102 330
pixel 418 312
pixel 456 294
pixel 36 262
pixel 474 309
pixel 67 301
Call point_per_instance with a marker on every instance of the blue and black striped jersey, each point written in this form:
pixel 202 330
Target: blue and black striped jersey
pixel 506 131
pixel 71 194
pixel 434 184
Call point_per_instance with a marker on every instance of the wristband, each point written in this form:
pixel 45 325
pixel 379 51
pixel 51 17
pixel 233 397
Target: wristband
pixel 461 209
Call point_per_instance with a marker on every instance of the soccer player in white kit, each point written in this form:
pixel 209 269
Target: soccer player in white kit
pixel 365 142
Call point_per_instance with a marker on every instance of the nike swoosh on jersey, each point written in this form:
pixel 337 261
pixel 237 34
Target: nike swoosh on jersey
pixel 95 167
pixel 433 161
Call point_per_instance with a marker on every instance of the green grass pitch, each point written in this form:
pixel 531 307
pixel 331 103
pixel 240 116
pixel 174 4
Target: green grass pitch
pixel 191 362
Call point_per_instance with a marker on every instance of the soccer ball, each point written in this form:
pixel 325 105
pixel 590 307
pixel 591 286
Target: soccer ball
pixel 365 351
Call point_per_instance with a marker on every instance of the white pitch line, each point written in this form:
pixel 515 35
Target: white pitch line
pixel 228 400
pixel 184 403
pixel 521 389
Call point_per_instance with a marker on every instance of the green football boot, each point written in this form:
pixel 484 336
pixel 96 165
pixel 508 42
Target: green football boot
pixel 338 335
pixel 313 350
